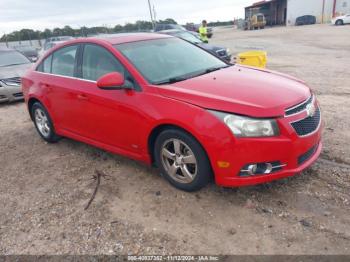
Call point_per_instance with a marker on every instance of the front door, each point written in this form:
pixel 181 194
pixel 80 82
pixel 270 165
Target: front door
pixel 347 19
pixel 107 116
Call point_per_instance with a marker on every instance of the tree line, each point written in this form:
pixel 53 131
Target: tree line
pixel 29 34
pixel 138 26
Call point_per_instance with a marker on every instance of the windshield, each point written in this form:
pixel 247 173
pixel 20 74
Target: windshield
pixel 188 37
pixel 169 60
pixel 9 58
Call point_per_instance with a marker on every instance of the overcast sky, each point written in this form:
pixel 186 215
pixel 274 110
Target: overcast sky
pixel 41 14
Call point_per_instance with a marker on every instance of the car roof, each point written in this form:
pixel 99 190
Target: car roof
pixel 131 37
pixel 115 39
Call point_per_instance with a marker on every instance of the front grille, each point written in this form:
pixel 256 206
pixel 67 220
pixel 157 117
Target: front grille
pixel 298 108
pixel 20 94
pixel 14 81
pixel 221 52
pixel 306 156
pixel 2 96
pixel 308 125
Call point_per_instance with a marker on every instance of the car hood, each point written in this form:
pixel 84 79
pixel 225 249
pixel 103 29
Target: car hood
pixel 13 71
pixel 241 90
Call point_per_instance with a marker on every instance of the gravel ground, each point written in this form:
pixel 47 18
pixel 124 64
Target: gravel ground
pixel 44 188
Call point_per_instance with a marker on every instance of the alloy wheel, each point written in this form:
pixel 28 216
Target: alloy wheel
pixel 42 122
pixel 179 161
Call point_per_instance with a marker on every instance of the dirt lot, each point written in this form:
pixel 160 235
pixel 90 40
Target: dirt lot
pixel 44 187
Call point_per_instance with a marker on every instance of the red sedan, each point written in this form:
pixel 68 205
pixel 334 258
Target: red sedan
pixel 167 102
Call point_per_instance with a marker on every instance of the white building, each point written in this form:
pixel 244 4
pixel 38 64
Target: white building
pixel 285 12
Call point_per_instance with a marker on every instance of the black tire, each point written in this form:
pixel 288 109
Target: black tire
pixel 51 136
pixel 339 22
pixel 204 171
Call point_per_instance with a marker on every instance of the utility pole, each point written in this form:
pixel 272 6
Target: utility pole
pixel 323 3
pixel 150 11
pixel 154 13
pixel 334 8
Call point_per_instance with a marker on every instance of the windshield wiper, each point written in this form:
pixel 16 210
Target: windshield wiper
pixel 182 78
pixel 172 80
pixel 212 69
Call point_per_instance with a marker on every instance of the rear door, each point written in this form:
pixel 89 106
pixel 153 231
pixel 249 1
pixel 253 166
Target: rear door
pixel 61 87
pixel 57 84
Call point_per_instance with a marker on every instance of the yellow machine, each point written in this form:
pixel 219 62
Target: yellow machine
pixel 256 21
pixel 253 58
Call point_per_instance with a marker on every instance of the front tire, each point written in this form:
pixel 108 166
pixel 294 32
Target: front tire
pixel 43 123
pixel 339 22
pixel 182 160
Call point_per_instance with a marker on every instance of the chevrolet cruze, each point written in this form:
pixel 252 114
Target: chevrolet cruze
pixel 166 102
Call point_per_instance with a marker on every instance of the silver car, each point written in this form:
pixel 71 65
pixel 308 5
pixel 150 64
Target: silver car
pixel 12 66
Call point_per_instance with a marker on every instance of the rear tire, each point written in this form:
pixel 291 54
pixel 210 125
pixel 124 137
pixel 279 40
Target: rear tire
pixel 182 160
pixel 43 123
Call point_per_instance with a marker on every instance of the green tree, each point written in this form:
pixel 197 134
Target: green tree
pixel 29 34
pixel 167 21
pixel 118 28
pixel 67 30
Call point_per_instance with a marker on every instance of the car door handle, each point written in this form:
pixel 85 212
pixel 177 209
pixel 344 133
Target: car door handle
pixel 82 97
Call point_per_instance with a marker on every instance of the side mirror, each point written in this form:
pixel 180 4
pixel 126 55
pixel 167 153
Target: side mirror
pixel 112 81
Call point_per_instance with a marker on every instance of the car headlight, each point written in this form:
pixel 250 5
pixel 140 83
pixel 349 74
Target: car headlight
pixel 242 126
pixel 228 51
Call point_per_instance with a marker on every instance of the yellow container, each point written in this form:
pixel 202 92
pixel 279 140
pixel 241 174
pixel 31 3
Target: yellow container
pixel 253 58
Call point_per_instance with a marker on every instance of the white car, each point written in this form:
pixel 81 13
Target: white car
pixel 13 65
pixel 341 20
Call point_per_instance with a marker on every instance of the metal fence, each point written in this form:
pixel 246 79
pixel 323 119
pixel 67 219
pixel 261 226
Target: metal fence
pixel 35 43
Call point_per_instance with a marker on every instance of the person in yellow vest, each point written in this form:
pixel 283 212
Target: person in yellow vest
pixel 203 32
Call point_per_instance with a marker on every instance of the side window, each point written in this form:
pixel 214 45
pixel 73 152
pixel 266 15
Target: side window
pixel 97 61
pixel 63 61
pixel 45 66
